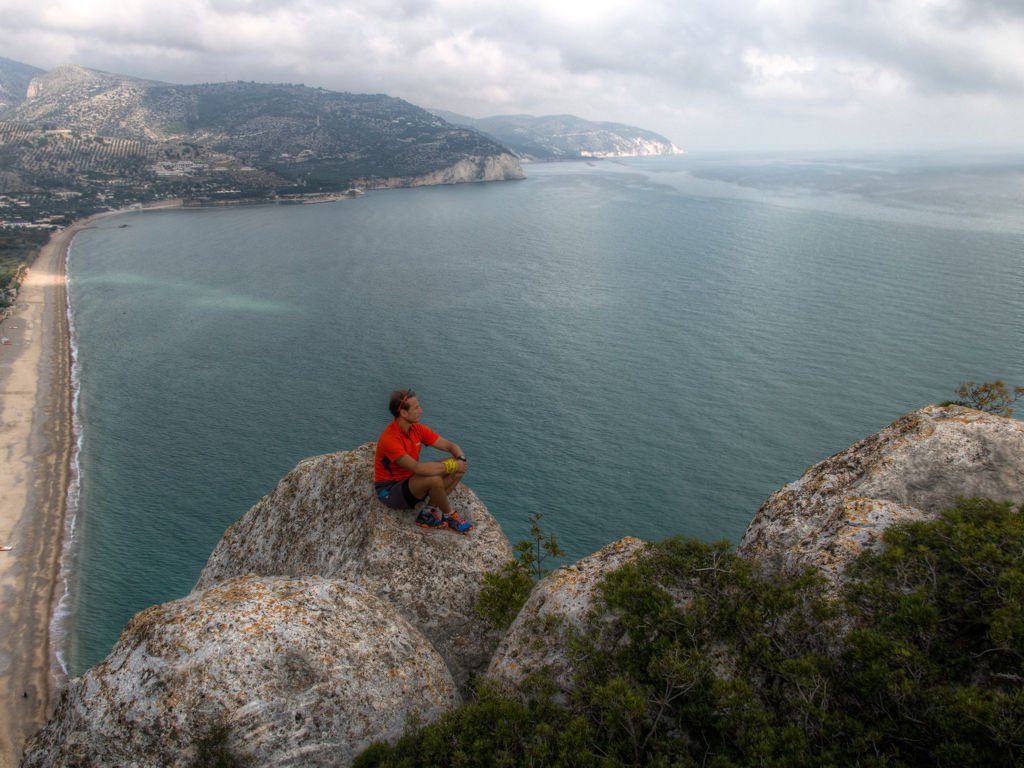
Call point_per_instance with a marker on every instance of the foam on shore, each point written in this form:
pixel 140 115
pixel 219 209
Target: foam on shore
pixel 63 614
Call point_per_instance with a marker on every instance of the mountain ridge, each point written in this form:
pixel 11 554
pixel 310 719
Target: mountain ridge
pixel 14 79
pixel 81 140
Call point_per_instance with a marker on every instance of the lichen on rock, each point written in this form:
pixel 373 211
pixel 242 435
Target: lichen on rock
pixel 275 671
pixel 538 641
pixel 322 520
pixel 913 469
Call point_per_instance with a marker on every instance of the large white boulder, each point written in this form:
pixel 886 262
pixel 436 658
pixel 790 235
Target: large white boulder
pixel 913 469
pixel 271 672
pixel 322 520
pixel 539 639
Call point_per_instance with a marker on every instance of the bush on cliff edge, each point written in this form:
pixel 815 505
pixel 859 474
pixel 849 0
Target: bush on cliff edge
pixel 693 658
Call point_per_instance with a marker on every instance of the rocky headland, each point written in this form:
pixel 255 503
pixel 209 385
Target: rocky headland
pixel 317 627
pixel 76 141
pixel 566 137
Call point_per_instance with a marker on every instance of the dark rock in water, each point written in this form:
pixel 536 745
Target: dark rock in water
pixel 913 469
pixel 322 520
pixel 263 671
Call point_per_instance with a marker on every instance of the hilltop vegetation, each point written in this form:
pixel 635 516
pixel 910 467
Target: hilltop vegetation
pixel 306 136
pixel 317 137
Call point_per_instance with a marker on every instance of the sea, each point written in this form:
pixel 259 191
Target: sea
pixel 637 347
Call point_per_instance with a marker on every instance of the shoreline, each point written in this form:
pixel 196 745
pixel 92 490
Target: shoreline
pixel 36 450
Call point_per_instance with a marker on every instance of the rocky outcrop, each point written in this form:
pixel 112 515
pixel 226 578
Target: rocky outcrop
pixel 264 671
pixel 322 520
pixel 15 79
pixel 913 469
pixel 88 100
pixel 499 167
pixel 539 639
pixel 322 620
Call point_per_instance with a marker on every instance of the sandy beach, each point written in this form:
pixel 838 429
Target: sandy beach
pixel 35 452
pixel 35 446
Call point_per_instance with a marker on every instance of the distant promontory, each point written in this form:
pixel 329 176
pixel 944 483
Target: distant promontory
pixel 566 137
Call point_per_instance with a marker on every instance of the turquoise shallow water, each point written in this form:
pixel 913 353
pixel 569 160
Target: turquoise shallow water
pixel 648 347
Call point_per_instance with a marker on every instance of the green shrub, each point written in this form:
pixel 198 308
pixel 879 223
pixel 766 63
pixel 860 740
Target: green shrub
pixel 693 657
pixel 992 396
pixel 503 594
pixel 936 662
pixel 491 732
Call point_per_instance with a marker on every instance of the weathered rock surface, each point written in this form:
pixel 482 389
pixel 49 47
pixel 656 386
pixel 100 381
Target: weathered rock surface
pixel 913 469
pixel 322 520
pixel 274 671
pixel 538 640
pixel 498 167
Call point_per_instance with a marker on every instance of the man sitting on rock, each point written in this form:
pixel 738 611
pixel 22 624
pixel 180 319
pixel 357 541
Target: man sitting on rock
pixel 401 480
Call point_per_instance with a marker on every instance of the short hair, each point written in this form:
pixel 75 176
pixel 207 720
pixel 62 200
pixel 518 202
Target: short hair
pixel 397 396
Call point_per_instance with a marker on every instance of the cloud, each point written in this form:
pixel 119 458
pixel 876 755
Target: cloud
pixel 670 66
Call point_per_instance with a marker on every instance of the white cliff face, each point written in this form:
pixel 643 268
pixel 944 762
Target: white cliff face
pixel 564 137
pixel 633 147
pixel 271 672
pixel 912 470
pixel 322 520
pixel 503 167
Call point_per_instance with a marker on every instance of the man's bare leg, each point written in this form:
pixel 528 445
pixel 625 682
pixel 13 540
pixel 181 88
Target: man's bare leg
pixel 452 480
pixel 437 487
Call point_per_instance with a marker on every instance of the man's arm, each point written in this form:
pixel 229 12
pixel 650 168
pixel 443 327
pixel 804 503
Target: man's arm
pixel 426 468
pixel 448 446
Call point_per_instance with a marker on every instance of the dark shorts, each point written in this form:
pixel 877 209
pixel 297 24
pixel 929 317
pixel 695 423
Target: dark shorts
pixel 395 494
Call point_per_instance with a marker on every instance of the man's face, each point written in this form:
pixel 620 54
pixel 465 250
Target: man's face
pixel 412 411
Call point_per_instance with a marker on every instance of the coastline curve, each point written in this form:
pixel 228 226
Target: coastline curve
pixel 38 456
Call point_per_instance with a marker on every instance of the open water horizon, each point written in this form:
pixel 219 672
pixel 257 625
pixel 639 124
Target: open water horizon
pixel 644 347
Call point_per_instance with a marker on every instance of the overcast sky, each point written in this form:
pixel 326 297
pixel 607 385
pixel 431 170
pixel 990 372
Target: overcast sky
pixel 708 74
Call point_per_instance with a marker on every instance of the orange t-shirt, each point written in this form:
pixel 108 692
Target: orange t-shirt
pixel 392 443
